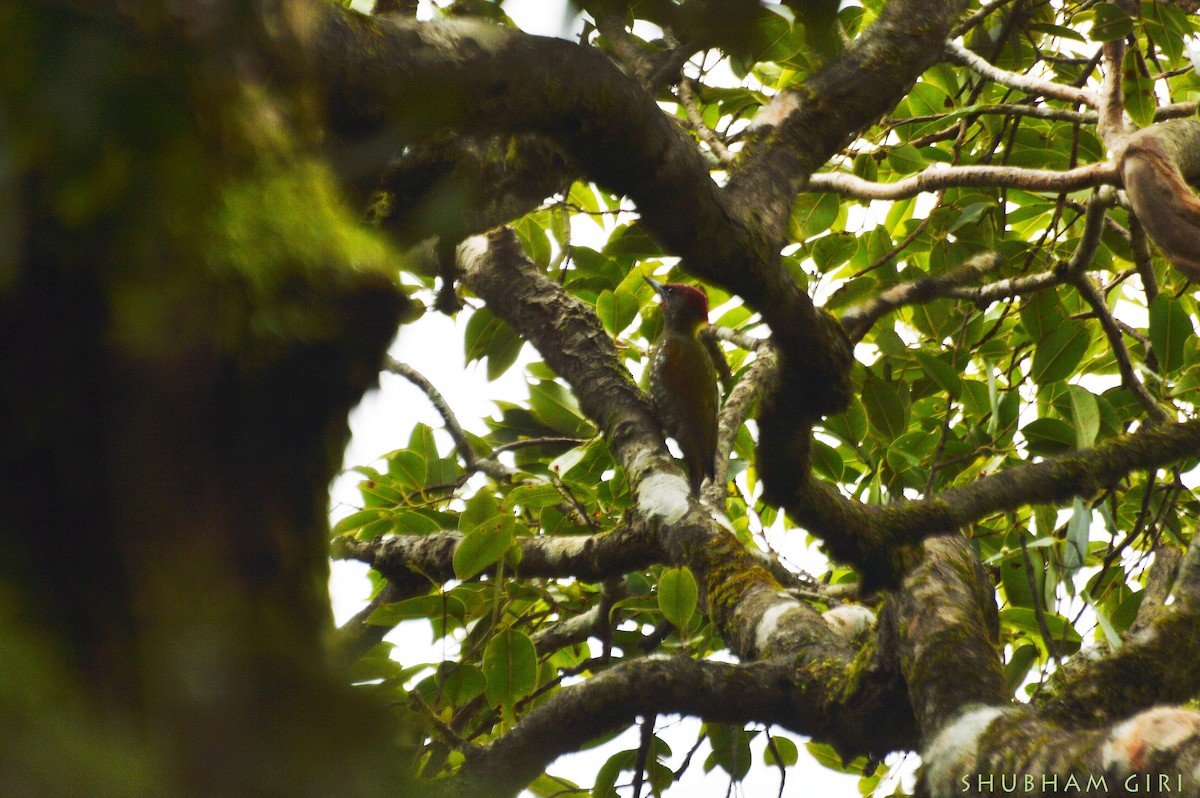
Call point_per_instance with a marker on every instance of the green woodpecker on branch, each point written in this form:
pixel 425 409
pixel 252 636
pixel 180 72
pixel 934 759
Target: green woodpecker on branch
pixel 682 380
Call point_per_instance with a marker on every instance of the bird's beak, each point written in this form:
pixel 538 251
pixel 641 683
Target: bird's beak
pixel 655 284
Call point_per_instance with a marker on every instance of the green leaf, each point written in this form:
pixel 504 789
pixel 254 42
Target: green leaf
pixel 1059 31
pixel 1106 626
pixel 730 749
pixel 634 242
pixel 1047 436
pixel 677 596
pixel 831 251
pixel 583 195
pixel 556 407
pixel 606 776
pixel 1085 412
pixel 971 214
pixel 1170 328
pixel 1018 666
pixel 1075 547
pixel 887 412
pixel 1014 578
pixel 487 535
pixel 1042 314
pixel 408 466
pixel 422 442
pixel 905 159
pixel 1059 352
pixel 414 522
pixel 827 461
pixel 1138 91
pixel 830 758
pixel 943 374
pixel 419 607
pixel 547 786
pixel 1024 620
pixel 356 521
pixel 481 548
pixel 481 508
pixel 781 751
pixel 616 310
pixel 1110 22
pixel 814 213
pixel 510 667
pixel 489 337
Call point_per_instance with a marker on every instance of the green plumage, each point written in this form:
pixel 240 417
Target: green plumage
pixel 682 380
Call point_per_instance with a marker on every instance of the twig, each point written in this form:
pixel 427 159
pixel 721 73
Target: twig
pixel 529 442
pixel 1129 379
pixel 738 339
pixel 891 254
pixel 937 178
pixel 1111 124
pixel 1006 109
pixel 643 754
pixel 471 459
pixel 1039 611
pixel 977 17
pixel 1141 258
pixel 592 623
pixel 687 99
pixel 1093 225
pixel 858 319
pixel 961 55
pixel 448 735
pixel 736 408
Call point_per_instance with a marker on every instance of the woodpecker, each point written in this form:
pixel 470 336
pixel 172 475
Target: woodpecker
pixel 682 380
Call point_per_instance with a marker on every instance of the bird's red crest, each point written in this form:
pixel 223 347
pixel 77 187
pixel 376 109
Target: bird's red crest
pixel 696 297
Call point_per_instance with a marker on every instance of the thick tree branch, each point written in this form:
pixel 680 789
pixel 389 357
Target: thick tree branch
pixel 864 535
pixel 946 612
pixel 591 558
pixel 1156 165
pixel 779 691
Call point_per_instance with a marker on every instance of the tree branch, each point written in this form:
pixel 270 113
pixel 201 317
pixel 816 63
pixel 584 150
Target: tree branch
pixel 860 318
pixel 471 459
pixel 1155 166
pixel 591 558
pixel 1111 122
pixel 946 612
pixel 864 535
pixel 958 54
pixel 780 691
pixel 733 414
pixel 937 178
pixel 573 342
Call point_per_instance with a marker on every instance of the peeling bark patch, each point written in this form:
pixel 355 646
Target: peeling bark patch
pixel 954 751
pixel 663 496
pixel 849 620
pixel 1159 729
pixel 769 622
